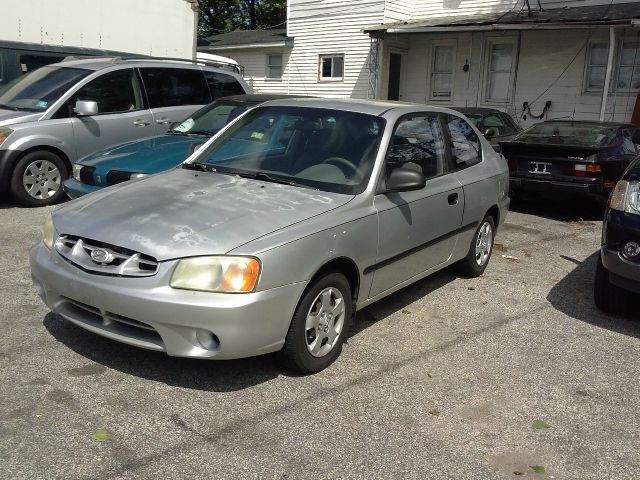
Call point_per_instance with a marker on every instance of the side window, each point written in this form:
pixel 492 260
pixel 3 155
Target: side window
pixel 635 137
pixel 418 143
pixel 172 87
pixel 465 144
pixel 502 126
pixel 114 92
pixel 222 85
pixel 31 62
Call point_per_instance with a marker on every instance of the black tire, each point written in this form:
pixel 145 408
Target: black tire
pixel 469 266
pixel 295 353
pixel 45 195
pixel 608 297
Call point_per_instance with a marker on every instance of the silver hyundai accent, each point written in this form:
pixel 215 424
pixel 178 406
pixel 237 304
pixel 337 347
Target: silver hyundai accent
pixel 273 234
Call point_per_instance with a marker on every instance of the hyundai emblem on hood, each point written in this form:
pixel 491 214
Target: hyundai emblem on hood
pixel 101 256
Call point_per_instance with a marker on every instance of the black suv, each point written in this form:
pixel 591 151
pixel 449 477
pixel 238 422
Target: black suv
pixel 617 282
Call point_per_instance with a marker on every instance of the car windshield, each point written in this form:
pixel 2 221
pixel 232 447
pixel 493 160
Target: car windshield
pixel 37 90
pixel 330 150
pixel 210 119
pixel 582 134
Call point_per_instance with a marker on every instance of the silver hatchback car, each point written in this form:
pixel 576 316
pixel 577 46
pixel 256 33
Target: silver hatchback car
pixel 277 230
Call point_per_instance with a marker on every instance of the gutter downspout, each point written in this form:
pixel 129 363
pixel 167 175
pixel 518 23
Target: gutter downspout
pixel 607 77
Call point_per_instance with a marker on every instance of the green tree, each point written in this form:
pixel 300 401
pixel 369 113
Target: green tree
pixel 221 16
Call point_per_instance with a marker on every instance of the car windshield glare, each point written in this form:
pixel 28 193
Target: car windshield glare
pixel 553 133
pixel 37 90
pixel 330 150
pixel 212 118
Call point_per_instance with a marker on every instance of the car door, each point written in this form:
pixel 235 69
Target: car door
pixel 122 114
pixel 174 94
pixel 416 230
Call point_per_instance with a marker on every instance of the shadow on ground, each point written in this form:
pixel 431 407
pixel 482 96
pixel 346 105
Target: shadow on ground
pixel 564 210
pixel 573 296
pixel 218 376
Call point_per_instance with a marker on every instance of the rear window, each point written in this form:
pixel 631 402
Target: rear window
pixel 554 133
pixel 222 85
pixel 172 87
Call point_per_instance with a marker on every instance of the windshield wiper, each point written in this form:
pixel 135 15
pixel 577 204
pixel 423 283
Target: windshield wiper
pixel 9 107
pixel 198 166
pixel 268 178
pixel 200 132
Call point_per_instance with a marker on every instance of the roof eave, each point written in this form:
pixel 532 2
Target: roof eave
pixel 287 43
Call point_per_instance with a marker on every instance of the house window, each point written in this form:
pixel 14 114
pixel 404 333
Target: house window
pixel 442 71
pixel 596 66
pixel 274 66
pixel 499 71
pixel 628 77
pixel 331 67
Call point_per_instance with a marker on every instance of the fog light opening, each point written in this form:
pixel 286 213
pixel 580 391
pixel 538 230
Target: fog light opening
pixel 207 339
pixel 631 250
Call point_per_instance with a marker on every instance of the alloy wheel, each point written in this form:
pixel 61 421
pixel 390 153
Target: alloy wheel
pixel 484 243
pixel 41 179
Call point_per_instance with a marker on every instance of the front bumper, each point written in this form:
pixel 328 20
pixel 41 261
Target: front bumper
pixel 622 273
pixel 556 187
pixel 619 228
pixel 74 189
pixel 146 312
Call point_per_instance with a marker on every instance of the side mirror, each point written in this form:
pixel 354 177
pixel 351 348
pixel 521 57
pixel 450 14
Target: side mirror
pixel 86 108
pixel 490 132
pixel 497 147
pixel 405 179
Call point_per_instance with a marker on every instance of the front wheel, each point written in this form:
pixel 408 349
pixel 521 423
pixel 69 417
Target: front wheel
pixel 319 326
pixel 37 179
pixel 477 259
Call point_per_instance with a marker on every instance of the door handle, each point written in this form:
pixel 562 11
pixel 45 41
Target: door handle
pixel 140 123
pixel 163 121
pixel 453 199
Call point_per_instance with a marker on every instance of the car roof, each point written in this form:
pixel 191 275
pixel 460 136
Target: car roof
pixel 98 63
pixel 481 110
pixel 371 107
pixel 258 97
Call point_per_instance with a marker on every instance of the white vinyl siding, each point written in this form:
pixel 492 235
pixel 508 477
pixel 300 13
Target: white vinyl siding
pixel 443 56
pixel 274 66
pixel 255 63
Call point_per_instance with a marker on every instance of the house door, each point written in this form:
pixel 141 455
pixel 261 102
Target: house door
pixel 395 63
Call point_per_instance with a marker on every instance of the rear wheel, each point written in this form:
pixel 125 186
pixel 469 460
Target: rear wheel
pixel 319 326
pixel 609 297
pixel 477 259
pixel 37 179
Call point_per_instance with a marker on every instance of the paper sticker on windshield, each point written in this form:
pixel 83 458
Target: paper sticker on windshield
pixel 257 135
pixel 185 126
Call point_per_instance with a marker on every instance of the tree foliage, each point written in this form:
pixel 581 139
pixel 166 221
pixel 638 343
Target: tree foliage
pixel 222 16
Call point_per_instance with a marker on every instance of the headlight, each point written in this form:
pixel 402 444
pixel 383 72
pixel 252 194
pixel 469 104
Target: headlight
pixel 217 274
pixel 4 133
pixel 47 233
pixel 626 197
pixel 138 175
pixel 76 171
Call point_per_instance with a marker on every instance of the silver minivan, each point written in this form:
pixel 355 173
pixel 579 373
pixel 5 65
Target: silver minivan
pixel 59 113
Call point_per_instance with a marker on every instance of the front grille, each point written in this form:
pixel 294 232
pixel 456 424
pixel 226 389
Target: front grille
pixel 116 176
pixel 86 315
pixel 86 175
pixel 105 259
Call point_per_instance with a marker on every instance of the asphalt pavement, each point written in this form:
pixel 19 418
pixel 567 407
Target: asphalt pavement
pixel 511 375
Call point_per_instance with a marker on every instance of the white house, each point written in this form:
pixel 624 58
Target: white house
pixel 515 55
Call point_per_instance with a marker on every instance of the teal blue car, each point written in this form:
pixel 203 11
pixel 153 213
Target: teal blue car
pixel 137 159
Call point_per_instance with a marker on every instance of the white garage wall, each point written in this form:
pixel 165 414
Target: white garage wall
pixel 158 27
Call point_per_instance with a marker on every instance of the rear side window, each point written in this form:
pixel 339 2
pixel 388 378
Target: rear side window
pixel 419 144
pixel 499 123
pixel 465 144
pixel 222 85
pixel 114 92
pixel 172 87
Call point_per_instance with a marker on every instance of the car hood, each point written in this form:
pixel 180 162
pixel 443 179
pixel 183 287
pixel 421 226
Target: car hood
pixel 185 213
pixel 149 155
pixel 10 117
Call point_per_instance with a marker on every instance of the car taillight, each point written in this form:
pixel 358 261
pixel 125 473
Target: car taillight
pixel 584 170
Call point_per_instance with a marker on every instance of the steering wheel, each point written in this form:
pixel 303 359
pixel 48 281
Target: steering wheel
pixel 354 171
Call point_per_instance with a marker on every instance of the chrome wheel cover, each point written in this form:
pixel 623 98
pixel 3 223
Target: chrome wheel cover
pixel 484 243
pixel 41 179
pixel 325 321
